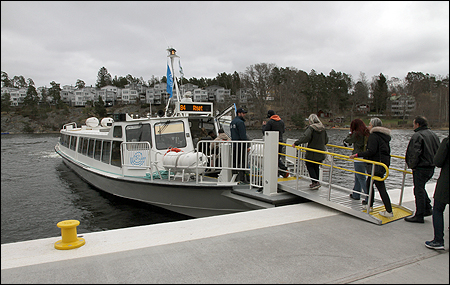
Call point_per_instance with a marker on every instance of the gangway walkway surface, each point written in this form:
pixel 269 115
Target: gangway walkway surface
pixel 340 200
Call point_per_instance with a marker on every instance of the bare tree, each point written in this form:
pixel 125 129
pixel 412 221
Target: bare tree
pixel 257 79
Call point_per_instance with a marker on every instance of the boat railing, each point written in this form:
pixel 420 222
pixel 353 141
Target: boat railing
pixel 226 158
pixel 72 125
pixel 137 156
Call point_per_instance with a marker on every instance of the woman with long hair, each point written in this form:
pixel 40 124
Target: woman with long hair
pixel 378 149
pixel 316 137
pixel 358 136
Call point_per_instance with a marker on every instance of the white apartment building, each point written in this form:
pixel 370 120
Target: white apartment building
pixel 401 105
pixel 199 95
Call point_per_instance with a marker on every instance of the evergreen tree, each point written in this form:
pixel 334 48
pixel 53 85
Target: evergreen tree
pixel 80 84
pixel 55 93
pixel 6 102
pixel 380 93
pixel 6 82
pixel 103 78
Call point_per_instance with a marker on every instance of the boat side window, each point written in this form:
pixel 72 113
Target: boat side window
pixel 170 134
pixel 117 132
pixel 115 154
pixel 98 149
pixel 73 142
pixel 85 146
pixel 80 144
pixel 138 133
pixel 90 151
pixel 106 151
pixel 64 140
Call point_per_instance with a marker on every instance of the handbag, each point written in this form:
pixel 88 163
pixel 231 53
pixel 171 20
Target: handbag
pixel 379 170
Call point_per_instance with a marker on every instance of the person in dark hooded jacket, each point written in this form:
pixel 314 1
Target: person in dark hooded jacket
pixel 441 196
pixel 378 149
pixel 275 123
pixel 419 156
pixel 316 136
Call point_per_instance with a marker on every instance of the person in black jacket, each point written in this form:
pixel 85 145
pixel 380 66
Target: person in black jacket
pixel 419 156
pixel 239 133
pixel 378 149
pixel 275 123
pixel 441 197
pixel 317 138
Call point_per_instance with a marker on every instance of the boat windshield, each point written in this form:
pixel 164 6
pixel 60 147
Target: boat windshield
pixel 138 133
pixel 170 134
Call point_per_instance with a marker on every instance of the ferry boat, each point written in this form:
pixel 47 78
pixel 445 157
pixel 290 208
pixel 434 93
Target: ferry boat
pixel 161 160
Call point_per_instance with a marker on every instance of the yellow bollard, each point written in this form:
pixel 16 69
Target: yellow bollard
pixel 69 235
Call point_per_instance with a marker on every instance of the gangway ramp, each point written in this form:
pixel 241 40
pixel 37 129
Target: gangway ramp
pixel 338 199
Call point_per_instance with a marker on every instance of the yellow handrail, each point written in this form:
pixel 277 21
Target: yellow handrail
pixel 344 157
pixel 392 155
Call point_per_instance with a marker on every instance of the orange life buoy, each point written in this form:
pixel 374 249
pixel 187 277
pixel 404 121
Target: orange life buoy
pixel 172 149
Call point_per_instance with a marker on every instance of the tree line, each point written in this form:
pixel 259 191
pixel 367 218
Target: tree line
pixel 294 92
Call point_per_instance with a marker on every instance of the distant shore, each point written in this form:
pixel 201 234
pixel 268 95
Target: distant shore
pixel 52 122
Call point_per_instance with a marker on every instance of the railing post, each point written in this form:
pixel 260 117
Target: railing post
pixel 225 174
pixel 270 174
pixel 403 185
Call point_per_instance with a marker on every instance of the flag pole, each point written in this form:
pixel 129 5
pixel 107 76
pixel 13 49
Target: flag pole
pixel 172 55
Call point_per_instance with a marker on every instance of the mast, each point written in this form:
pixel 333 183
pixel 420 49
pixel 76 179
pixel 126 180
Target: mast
pixel 172 55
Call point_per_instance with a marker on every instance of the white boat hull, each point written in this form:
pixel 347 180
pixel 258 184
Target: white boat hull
pixel 186 198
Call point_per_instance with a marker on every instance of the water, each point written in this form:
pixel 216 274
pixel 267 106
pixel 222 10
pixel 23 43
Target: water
pixel 38 190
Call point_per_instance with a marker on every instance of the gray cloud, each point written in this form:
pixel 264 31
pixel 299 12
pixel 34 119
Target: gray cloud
pixel 66 41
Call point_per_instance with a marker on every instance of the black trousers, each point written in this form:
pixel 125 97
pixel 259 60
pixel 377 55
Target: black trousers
pixel 383 193
pixel 423 202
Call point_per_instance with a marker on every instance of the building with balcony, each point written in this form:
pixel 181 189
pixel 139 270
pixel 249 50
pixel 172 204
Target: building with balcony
pixel 401 105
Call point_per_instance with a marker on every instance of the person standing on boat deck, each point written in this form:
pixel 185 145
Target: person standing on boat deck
pixel 275 123
pixel 221 137
pixel 215 147
pixel 378 149
pixel 358 136
pixel 239 133
pixel 441 198
pixel 419 157
pixel 316 137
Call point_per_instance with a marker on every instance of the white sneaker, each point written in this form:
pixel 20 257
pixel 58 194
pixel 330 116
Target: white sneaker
pixel 386 214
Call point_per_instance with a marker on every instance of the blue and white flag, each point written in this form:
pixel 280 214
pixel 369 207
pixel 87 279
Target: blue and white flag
pixel 169 81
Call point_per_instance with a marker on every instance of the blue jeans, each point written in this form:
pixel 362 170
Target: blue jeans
pixel 423 202
pixel 360 180
pixel 438 221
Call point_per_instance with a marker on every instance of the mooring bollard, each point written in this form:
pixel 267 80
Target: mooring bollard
pixel 69 235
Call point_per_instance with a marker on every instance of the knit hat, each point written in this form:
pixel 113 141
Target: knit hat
pixel 270 113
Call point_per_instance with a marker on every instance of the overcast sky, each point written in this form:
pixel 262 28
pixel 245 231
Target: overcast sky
pixel 66 41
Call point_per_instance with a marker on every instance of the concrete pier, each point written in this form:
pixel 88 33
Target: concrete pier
pixel 304 243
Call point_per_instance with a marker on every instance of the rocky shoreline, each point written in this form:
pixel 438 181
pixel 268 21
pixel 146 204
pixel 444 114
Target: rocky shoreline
pixel 15 123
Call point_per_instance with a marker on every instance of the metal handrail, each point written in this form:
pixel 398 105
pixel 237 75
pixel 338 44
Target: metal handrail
pixel 392 155
pixel 68 124
pixel 343 157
